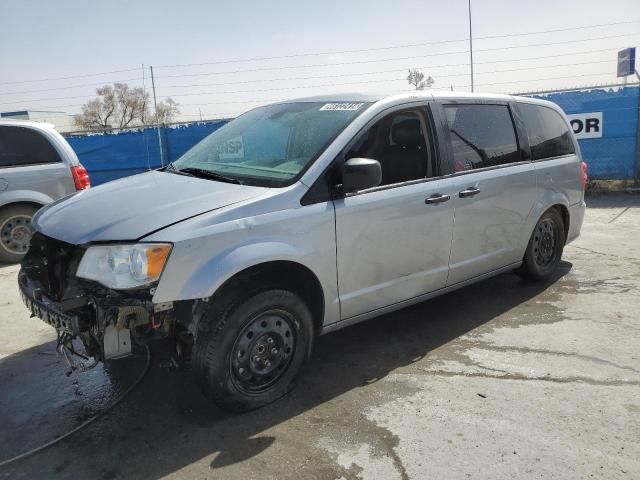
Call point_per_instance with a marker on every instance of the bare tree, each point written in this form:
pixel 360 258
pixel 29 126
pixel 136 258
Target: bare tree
pixel 166 111
pixel 418 80
pixel 120 106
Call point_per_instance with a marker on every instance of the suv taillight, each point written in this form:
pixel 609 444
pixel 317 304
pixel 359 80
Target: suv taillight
pixel 584 176
pixel 80 177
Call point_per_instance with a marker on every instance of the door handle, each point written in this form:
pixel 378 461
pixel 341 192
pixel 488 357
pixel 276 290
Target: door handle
pixel 437 198
pixel 469 192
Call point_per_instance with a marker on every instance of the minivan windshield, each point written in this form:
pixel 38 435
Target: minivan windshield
pixel 270 145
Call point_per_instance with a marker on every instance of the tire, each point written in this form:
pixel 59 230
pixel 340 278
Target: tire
pixel 250 353
pixel 544 250
pixel 15 232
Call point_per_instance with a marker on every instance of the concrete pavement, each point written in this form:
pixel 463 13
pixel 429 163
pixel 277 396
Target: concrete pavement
pixel 503 379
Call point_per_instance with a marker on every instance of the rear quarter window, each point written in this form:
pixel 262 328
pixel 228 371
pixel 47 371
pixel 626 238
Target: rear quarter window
pixel 548 133
pixel 24 146
pixel 481 136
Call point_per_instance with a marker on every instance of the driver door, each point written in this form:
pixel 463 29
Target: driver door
pixel 393 241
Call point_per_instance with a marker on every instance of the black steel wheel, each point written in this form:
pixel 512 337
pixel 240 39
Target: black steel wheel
pixel 545 247
pixel 249 352
pixel 544 242
pixel 262 351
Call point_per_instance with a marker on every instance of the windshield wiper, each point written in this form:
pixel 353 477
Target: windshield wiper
pixel 203 173
pixel 172 168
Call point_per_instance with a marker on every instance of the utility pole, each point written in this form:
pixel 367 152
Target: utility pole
pixel 144 89
pixel 471 45
pixel 155 108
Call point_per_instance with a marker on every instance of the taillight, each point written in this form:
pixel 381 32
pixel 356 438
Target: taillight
pixel 584 176
pixel 80 177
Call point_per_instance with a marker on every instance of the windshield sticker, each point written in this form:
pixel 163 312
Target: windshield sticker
pixel 341 106
pixel 232 149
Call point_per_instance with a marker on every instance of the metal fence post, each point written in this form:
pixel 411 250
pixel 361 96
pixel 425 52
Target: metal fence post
pixel 637 172
pixel 155 107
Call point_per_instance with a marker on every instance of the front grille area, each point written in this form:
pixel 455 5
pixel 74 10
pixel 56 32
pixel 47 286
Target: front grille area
pixel 51 262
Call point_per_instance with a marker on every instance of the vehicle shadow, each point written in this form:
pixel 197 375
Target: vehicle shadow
pixel 166 424
pixel 613 200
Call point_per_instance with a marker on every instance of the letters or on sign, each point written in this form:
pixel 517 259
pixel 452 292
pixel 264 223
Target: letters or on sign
pixel 586 125
pixel 341 106
pixel 232 149
pixel 626 62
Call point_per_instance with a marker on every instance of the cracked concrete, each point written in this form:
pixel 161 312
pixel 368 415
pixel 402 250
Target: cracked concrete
pixel 504 379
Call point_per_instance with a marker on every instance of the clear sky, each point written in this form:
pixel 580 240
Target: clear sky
pixel 82 39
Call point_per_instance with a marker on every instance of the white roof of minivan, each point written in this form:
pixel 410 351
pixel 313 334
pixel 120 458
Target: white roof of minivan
pixel 398 98
pixel 374 97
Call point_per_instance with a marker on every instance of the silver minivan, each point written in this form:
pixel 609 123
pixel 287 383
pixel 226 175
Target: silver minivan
pixel 37 166
pixel 300 218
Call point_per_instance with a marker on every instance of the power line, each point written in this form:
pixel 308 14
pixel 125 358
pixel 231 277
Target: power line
pixel 68 87
pixel 70 77
pixel 377 72
pixel 523 59
pixel 430 67
pixel 86 75
pixel 196 94
pixel 391 47
pixel 321 77
pixel 360 62
pixel 378 81
pixel 543 79
pixel 47 99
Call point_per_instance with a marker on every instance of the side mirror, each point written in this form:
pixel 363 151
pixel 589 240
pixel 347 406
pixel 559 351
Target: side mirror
pixel 360 173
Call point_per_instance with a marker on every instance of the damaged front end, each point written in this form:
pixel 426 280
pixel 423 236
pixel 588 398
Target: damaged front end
pixel 110 322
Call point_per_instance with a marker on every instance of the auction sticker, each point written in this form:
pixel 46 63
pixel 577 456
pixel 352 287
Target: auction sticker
pixel 341 106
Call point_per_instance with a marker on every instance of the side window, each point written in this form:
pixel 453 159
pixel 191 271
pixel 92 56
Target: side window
pixel 481 136
pixel 399 142
pixel 548 132
pixel 24 146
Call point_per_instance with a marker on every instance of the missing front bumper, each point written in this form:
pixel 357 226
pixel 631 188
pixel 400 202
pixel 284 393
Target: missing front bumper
pixel 46 309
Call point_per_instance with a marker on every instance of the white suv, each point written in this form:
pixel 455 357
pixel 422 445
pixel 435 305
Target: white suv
pixel 37 166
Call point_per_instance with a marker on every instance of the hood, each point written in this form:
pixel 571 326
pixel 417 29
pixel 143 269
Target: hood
pixel 133 207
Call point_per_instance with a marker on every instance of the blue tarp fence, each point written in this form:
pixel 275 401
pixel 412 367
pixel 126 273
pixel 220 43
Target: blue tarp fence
pixel 613 155
pixel 112 155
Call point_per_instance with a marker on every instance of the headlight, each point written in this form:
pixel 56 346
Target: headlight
pixel 124 266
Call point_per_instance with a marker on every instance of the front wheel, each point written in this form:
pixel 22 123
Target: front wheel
pixel 250 354
pixel 545 247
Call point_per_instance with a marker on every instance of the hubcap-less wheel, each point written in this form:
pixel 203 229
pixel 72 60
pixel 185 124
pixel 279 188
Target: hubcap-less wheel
pixel 544 243
pixel 15 234
pixel 263 351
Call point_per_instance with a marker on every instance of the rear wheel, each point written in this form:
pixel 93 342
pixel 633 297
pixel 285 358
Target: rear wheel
pixel 545 247
pixel 250 354
pixel 15 232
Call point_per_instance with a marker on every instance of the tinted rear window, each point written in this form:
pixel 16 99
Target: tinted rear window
pixel 481 136
pixel 548 132
pixel 24 146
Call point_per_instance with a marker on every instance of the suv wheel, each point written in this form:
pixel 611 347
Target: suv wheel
pixel 545 247
pixel 250 354
pixel 15 232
